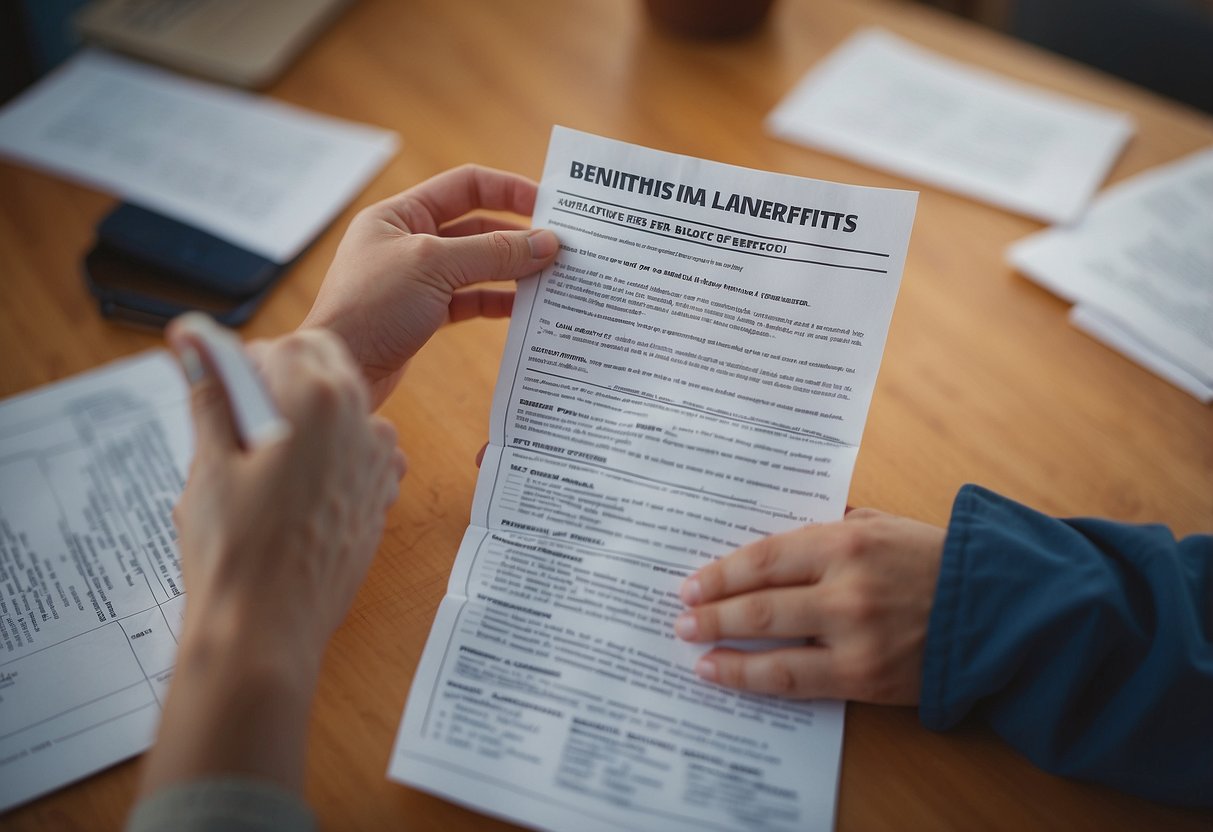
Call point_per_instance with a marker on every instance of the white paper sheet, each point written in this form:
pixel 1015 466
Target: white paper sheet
pixel 1112 333
pixel 92 600
pixel 1140 264
pixel 259 173
pixel 889 103
pixel 692 373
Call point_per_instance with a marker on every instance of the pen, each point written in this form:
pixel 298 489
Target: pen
pixel 256 418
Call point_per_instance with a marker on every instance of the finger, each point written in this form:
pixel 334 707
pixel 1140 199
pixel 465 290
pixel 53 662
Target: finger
pixel 862 514
pixel 384 432
pixel 479 224
pixel 391 493
pixel 452 194
pixel 389 480
pixel 791 672
pixel 386 462
pixel 384 449
pixel 789 612
pixel 214 427
pixel 795 557
pixel 400 464
pixel 324 346
pixel 480 303
pixel 498 255
pixel 256 350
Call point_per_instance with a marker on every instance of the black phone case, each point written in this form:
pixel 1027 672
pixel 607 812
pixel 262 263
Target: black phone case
pixel 145 269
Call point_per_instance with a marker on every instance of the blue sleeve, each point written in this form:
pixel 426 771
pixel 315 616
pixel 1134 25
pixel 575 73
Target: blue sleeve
pixel 1086 644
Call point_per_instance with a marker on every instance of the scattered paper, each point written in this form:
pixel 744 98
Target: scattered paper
pixel 1140 268
pixel 692 373
pixel 1112 333
pixel 92 603
pixel 886 102
pixel 258 173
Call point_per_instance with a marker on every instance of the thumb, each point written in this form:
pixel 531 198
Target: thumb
pixel 213 426
pixel 498 255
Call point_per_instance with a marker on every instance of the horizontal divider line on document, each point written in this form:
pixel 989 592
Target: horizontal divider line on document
pixel 113 424
pixel 604 550
pixel 547 798
pixel 722 227
pixel 721 248
pixel 804 434
pixel 636 476
pixel 67 711
pixel 117 621
pixel 66 737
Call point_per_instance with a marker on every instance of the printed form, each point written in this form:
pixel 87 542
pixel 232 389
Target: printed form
pixel 91 596
pixel 692 373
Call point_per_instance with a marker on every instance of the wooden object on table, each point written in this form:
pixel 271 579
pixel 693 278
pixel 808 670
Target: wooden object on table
pixel 983 379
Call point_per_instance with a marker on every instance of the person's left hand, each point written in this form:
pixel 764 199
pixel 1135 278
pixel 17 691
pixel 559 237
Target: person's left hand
pixel 859 592
pixel 393 281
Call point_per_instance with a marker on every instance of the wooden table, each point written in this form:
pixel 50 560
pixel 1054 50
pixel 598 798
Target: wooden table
pixel 983 379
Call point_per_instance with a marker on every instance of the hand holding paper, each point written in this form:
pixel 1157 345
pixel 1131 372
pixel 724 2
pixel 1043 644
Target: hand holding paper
pixel 858 592
pixel 399 270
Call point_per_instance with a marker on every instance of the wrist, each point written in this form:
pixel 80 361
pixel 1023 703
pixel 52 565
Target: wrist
pixel 246 638
pixel 323 315
pixel 225 647
pixel 238 705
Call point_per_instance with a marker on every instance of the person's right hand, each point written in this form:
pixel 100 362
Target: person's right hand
pixel 280 537
pixel 274 543
pixel 407 265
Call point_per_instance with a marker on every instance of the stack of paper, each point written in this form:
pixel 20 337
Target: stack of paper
pixel 1140 269
pixel 888 103
pixel 253 171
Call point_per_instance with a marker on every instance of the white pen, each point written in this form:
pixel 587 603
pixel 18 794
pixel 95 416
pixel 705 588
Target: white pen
pixel 257 419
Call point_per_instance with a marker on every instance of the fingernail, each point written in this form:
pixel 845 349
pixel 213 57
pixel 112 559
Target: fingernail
pixel 706 669
pixel 191 365
pixel 691 591
pixel 686 626
pixel 543 243
pixel 195 320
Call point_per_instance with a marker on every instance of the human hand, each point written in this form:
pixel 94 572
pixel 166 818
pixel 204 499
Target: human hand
pixel 393 281
pixel 860 591
pixel 276 540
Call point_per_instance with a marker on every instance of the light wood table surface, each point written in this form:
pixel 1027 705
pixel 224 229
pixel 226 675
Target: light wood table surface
pixel 983 379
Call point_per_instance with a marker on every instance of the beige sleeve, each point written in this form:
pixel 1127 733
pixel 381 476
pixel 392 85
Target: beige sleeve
pixel 230 804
